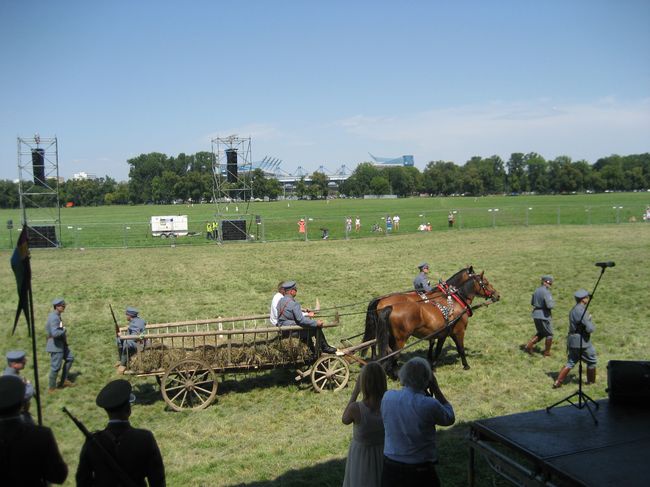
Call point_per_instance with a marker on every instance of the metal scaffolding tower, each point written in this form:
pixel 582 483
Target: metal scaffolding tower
pixel 38 189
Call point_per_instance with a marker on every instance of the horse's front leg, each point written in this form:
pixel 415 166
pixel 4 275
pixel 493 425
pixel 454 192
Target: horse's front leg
pixel 439 345
pixel 460 347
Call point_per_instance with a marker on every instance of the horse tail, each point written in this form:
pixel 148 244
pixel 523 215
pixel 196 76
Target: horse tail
pixel 384 330
pixel 370 332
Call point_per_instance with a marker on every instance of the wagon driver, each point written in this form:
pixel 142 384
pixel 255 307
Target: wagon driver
pixel 290 314
pixel 421 282
pixel 129 348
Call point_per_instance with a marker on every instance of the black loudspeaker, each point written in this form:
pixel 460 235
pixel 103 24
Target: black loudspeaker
pixel 233 230
pixel 628 381
pixel 38 166
pixel 42 237
pixel 231 165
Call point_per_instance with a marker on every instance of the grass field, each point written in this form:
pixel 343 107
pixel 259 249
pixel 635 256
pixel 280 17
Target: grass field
pixel 266 430
pixel 128 226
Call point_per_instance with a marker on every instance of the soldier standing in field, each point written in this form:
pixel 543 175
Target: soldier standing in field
pixel 29 454
pixel 579 340
pixel 57 346
pixel 542 303
pixel 134 449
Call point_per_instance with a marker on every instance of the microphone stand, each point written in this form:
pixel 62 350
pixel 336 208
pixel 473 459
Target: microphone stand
pixel 583 398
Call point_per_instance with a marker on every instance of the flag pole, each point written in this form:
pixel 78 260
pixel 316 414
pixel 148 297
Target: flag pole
pixel 37 388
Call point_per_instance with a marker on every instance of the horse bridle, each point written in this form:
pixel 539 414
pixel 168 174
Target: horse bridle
pixel 488 294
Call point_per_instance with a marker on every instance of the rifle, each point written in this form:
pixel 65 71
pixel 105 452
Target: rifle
pixel 112 462
pixel 117 332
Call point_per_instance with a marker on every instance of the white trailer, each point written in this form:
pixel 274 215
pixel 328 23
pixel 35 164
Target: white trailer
pixel 169 226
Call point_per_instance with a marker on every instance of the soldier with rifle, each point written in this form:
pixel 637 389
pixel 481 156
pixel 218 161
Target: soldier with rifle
pixel 29 454
pixel 119 455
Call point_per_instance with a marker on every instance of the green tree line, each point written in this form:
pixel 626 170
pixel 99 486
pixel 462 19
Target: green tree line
pixel 158 178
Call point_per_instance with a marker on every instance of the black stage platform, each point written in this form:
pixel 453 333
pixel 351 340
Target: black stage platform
pixel 565 447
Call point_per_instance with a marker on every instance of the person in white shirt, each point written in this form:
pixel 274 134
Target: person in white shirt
pixel 273 315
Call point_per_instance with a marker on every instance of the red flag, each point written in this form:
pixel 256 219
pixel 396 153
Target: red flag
pixel 23 272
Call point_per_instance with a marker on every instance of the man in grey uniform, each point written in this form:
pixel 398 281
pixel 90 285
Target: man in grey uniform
pixel 579 340
pixel 15 362
pixel 290 314
pixel 542 303
pixel 57 346
pixel 421 282
pixel 130 347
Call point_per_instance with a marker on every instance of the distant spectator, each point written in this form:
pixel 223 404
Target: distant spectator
pixel 348 224
pixel 357 224
pixel 410 418
pixel 396 222
pixel 325 233
pixel 364 464
pixel 451 219
pixel 301 225
pixel 389 224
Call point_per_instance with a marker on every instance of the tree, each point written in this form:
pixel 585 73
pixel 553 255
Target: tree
pixel 517 178
pixel 379 185
pixel 301 188
pixel 537 169
pixel 319 183
pixel 144 169
pixel 8 194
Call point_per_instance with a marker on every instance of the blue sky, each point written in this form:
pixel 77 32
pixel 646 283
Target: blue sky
pixel 324 83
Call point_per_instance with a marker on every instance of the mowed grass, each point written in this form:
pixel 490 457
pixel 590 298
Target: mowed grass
pixel 128 226
pixel 266 430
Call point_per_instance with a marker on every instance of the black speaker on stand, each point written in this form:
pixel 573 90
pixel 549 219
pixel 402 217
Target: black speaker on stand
pixel 231 165
pixel 233 230
pixel 38 166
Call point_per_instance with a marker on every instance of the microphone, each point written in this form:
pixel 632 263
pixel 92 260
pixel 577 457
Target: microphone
pixel 602 265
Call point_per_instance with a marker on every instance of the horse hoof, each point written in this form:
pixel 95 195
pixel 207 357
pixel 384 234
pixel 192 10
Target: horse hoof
pixel 466 367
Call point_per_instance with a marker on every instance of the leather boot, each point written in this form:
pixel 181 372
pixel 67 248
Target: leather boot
pixel 324 346
pixel 547 346
pixel 591 376
pixel 531 344
pixel 121 369
pixel 561 376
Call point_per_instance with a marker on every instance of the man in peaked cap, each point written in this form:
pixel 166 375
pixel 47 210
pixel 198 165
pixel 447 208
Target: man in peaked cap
pixel 421 282
pixel 16 361
pixel 542 303
pixel 57 346
pixel 579 343
pixel 130 347
pixel 290 314
pixel 29 454
pixel 134 449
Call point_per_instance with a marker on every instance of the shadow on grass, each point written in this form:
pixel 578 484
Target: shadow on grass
pixel 328 474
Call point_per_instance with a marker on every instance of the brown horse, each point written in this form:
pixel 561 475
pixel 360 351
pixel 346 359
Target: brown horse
pixel 397 322
pixel 377 304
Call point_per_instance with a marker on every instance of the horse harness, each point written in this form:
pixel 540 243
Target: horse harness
pixel 452 295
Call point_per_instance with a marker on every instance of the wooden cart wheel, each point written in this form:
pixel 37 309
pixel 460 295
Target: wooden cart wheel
pixel 189 384
pixel 330 373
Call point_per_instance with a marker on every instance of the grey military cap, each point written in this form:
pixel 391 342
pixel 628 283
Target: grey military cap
pixel 287 285
pixel 58 301
pixel 15 356
pixel 581 293
pixel 547 278
pixel 423 265
pixel 131 311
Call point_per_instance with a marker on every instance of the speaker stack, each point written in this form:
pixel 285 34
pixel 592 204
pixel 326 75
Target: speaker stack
pixel 233 230
pixel 628 381
pixel 231 165
pixel 38 166
pixel 42 237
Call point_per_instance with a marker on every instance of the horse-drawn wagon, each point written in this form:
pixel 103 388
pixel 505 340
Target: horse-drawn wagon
pixel 187 357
